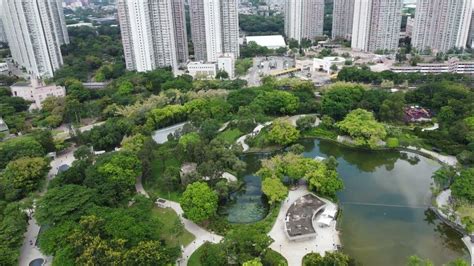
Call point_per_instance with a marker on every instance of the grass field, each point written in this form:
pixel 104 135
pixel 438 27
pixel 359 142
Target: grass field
pixel 173 232
pixel 230 135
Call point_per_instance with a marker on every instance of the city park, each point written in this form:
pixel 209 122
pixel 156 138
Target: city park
pixel 256 154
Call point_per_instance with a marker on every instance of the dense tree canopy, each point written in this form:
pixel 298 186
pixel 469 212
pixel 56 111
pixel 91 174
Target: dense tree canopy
pixel 199 202
pixel 274 189
pixel 22 176
pixel 341 98
pixel 363 128
pixel 244 244
pixel 283 133
pixel 463 186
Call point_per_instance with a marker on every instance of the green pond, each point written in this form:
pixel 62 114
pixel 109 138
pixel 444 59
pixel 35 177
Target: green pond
pixel 385 205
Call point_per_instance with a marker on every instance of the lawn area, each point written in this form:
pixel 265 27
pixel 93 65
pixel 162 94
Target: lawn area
pixel 156 185
pixel 195 259
pixel 319 132
pixel 466 210
pixel 230 135
pixel 173 232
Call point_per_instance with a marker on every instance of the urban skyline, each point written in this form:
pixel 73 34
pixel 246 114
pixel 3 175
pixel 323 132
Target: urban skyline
pixel 35 31
pixel 304 19
pixel 441 25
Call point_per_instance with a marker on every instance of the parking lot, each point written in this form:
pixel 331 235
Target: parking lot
pixel 266 65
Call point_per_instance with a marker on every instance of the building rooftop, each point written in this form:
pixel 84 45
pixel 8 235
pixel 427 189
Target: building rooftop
pixel 299 218
pixel 268 40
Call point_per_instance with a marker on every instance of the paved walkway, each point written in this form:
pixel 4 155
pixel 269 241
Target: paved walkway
pixel 447 159
pixel 434 127
pixel 326 240
pixel 202 235
pixel 160 136
pixel 442 200
pixel 29 251
pixel 255 132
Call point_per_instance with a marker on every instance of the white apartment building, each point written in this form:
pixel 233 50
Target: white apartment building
pixel 148 34
pixel 343 16
pixel 181 34
pixel 201 70
pixel 3 35
pixel 442 25
pixel 452 66
pixel 376 25
pixel 36 92
pixel 470 39
pixel 226 62
pixel 35 30
pixel 304 19
pixel 214 28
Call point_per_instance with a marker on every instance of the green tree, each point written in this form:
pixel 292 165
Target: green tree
pixel 213 254
pixel 148 253
pixel 363 128
pixel 417 261
pixel 324 181
pixel 274 189
pixel 392 108
pixel 463 186
pixel 23 175
pixel 13 225
pixel 19 147
pixel 68 202
pixel 114 175
pixel 245 243
pixel 199 202
pixel 329 259
pixel 277 102
pixel 305 123
pixel 133 143
pixel 254 262
pixel 340 98
pixel 283 133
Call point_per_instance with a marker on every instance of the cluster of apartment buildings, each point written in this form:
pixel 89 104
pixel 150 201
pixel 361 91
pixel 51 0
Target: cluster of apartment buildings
pixel 154 33
pixel 374 25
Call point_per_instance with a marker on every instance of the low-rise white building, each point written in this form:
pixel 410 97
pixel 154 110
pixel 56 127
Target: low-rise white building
pixel 202 70
pixel 452 66
pixel 327 62
pixel 3 67
pixel 36 91
pixel 269 41
pixel 226 62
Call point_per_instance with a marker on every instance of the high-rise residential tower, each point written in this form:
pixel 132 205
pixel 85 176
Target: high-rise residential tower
pixel 214 28
pixel 441 25
pixel 3 35
pixel 304 19
pixel 148 34
pixel 230 27
pixel 343 16
pixel 470 39
pixel 376 25
pixel 181 35
pixel 35 30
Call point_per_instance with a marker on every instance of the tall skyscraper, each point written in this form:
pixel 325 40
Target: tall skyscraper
pixel 148 34
pixel 304 19
pixel 35 30
pixel 470 39
pixel 214 28
pixel 376 24
pixel 181 35
pixel 3 35
pixel 342 18
pixel 442 25
pixel 230 27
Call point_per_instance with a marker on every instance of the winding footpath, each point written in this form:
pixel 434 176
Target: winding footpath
pixel 29 251
pixel 202 235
